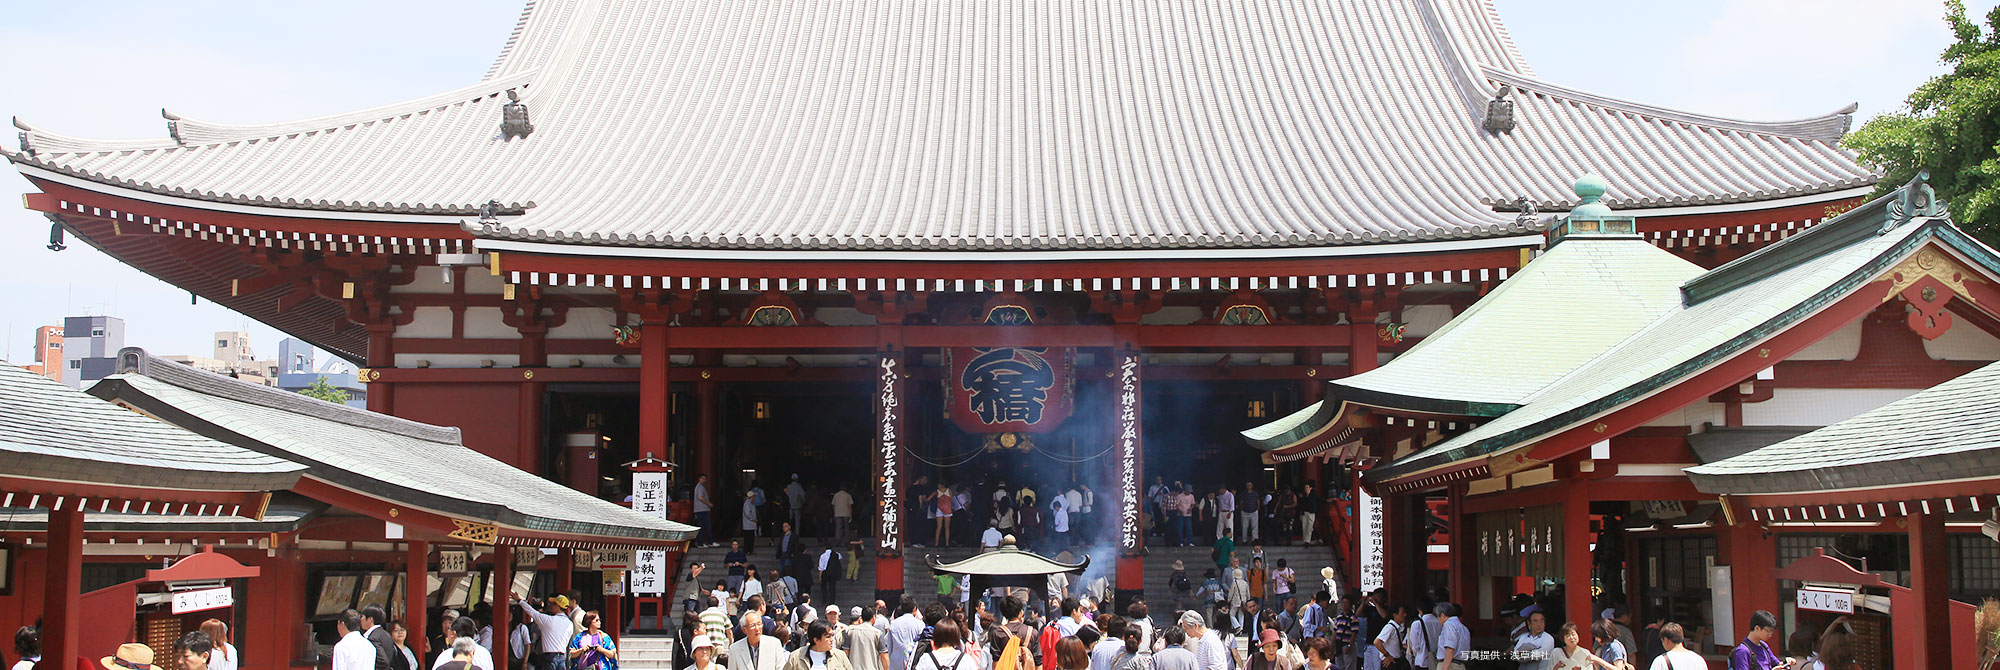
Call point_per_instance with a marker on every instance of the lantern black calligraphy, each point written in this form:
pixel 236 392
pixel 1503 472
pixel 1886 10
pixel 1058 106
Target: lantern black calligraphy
pixel 1008 384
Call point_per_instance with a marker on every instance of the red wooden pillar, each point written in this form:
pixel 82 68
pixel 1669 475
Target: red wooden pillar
pixel 1752 557
pixel 655 400
pixel 503 596
pixel 566 572
pixel 528 451
pixel 1929 579
pixel 416 573
pixel 62 590
pixel 1463 559
pixel 886 463
pixel 1576 561
pixel 707 421
pixel 381 354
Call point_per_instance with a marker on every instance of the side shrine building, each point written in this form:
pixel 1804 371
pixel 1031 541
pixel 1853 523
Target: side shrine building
pixel 885 245
pixel 1649 454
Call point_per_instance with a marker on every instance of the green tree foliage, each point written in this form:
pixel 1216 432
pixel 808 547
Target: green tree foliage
pixel 1951 127
pixel 324 391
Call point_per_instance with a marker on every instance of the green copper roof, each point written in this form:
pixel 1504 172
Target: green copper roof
pixel 1951 431
pixel 1689 340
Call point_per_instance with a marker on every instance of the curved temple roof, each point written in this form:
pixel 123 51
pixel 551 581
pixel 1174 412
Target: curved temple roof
pixel 415 464
pixel 961 125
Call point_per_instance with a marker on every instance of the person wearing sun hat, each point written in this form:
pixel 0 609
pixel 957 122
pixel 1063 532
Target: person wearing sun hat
pixel 130 656
pixel 703 652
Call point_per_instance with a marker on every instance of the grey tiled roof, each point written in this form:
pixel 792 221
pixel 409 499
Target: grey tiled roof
pixel 415 464
pixel 51 431
pixel 1950 431
pixel 1111 124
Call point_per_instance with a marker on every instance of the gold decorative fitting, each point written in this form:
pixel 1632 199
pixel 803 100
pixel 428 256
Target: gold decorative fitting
pixel 527 374
pixel 1764 352
pixel 393 512
pixel 706 374
pixel 474 532
pixel 1599 428
pixel 1312 372
pixel 1930 262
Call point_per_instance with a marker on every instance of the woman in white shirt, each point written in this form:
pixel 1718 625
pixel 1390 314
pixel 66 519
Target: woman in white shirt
pixel 752 586
pixel 944 653
pixel 1388 644
pixel 225 657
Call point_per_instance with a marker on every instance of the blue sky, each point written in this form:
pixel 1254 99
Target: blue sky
pixel 106 68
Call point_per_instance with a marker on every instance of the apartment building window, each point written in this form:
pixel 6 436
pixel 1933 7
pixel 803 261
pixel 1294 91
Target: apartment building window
pixel 75 364
pixel 97 331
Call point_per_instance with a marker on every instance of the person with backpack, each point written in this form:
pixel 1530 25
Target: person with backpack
pixel 1180 586
pixel 830 572
pixel 944 652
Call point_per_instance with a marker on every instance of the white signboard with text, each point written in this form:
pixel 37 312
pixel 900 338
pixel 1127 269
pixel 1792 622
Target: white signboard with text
pixel 613 559
pixel 1370 508
pixel 1826 600
pixel 452 562
pixel 205 599
pixel 649 494
pixel 649 572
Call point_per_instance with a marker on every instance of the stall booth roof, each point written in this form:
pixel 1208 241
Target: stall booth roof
pixel 61 443
pixel 417 466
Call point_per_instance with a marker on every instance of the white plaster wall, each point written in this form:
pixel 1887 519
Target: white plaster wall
pixel 1425 319
pixel 1692 415
pixel 457 360
pixel 1842 345
pixel 1964 342
pixel 427 322
pixel 483 323
pixel 1817 407
pixel 584 324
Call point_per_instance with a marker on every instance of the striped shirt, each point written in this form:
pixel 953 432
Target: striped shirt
pixel 716 622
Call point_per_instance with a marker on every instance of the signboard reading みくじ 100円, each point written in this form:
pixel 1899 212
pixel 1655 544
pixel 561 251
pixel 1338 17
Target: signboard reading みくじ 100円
pixel 1826 600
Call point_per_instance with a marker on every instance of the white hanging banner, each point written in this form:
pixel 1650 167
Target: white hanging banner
pixel 583 559
pixel 452 562
pixel 649 572
pixel 649 494
pixel 1371 540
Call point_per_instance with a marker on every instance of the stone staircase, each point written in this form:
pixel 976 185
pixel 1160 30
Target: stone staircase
pixel 646 652
pixel 856 592
pixel 1304 561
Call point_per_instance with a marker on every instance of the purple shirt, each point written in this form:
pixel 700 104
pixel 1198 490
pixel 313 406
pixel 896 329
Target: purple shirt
pixel 1752 656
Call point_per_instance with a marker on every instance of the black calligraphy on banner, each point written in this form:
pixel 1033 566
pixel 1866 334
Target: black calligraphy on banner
pixel 1009 389
pixel 888 448
pixel 1128 453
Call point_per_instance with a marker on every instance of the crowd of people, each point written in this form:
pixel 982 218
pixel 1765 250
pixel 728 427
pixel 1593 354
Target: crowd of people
pixel 1042 516
pixel 1187 517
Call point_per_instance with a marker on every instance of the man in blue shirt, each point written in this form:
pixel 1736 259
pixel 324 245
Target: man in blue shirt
pixel 1453 641
pixel 1755 651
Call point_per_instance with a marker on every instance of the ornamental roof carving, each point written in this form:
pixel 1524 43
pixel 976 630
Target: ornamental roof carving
pixel 972 126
